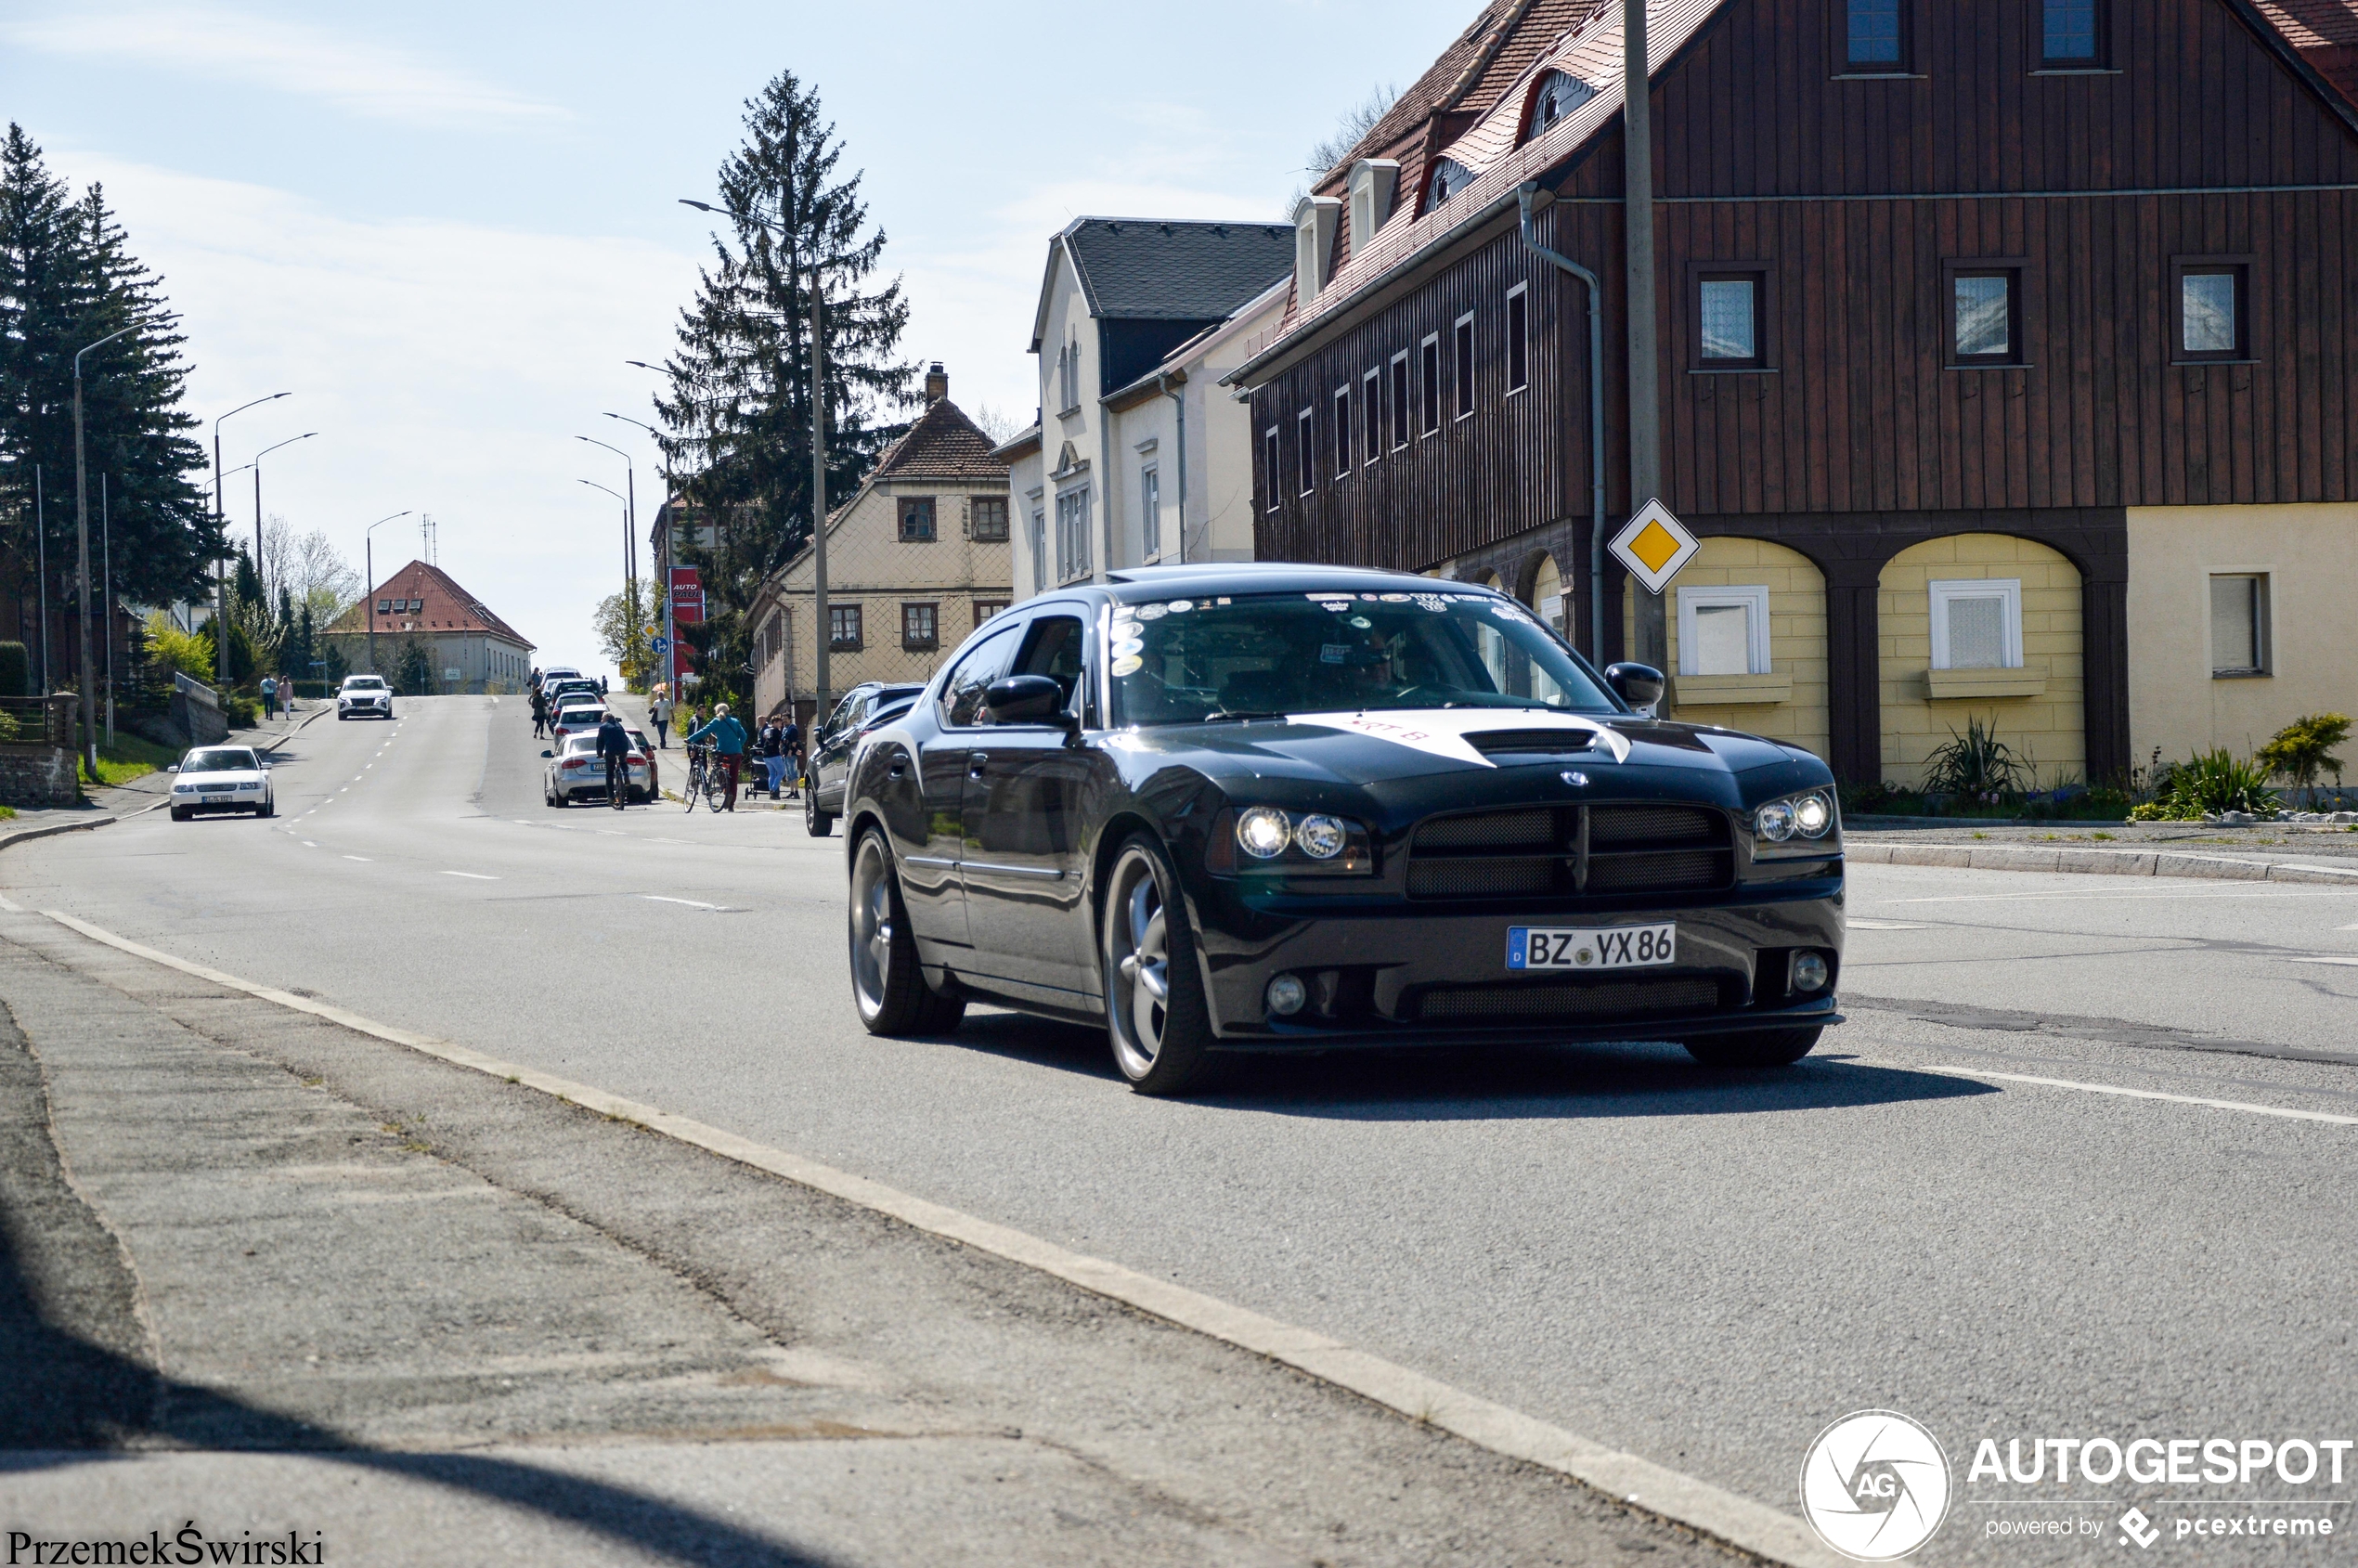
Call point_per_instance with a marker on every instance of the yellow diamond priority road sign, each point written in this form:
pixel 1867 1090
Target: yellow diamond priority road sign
pixel 1653 545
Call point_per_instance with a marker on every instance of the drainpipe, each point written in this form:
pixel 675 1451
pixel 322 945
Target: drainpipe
pixel 1596 421
pixel 1179 404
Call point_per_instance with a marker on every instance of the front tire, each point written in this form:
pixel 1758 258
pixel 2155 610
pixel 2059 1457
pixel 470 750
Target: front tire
pixel 179 813
pixel 1157 1015
pixel 1762 1048
pixel 817 823
pixel 887 984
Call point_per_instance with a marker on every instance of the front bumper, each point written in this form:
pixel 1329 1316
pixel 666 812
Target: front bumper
pixel 1387 972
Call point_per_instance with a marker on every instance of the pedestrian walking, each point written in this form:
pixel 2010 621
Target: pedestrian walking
pixel 790 740
pixel 540 712
pixel 728 739
pixel 613 746
pixel 269 696
pixel 659 715
pixel 772 744
pixel 602 685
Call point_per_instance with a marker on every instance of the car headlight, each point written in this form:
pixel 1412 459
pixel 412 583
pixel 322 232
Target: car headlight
pixel 1303 842
pixel 1799 824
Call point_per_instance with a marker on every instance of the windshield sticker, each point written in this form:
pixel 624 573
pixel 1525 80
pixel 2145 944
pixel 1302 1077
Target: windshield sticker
pixel 1432 602
pixel 1333 652
pixel 1150 612
pixel 1363 623
pixel 1223 599
pixel 1181 606
pixel 1337 605
pixel 1131 664
pixel 1396 599
pixel 1445 732
pixel 1509 612
pixel 1128 646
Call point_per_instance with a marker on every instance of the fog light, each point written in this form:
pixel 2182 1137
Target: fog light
pixel 1321 836
pixel 1808 972
pixel 1263 832
pixel 1287 994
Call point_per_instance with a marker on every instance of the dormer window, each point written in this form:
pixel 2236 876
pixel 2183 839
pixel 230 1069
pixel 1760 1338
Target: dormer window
pixel 1314 226
pixel 1373 182
pixel 1559 93
pixel 1449 177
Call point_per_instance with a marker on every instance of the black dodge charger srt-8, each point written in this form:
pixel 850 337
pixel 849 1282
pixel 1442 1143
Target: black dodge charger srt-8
pixel 1269 807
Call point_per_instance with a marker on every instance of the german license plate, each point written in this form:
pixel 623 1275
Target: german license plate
pixel 220 799
pixel 1612 947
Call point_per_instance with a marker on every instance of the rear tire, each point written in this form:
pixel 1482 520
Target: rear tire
pixel 887 984
pixel 269 809
pixel 1764 1048
pixel 818 824
pixel 1157 1015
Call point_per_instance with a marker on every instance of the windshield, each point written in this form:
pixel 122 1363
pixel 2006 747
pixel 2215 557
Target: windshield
pixel 364 683
pixel 221 759
pixel 1184 661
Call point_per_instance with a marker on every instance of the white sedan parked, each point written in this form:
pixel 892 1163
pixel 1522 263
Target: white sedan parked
pixel 221 778
pixel 578 773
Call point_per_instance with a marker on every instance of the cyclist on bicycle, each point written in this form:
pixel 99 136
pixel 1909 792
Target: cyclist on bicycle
pixel 613 746
pixel 728 739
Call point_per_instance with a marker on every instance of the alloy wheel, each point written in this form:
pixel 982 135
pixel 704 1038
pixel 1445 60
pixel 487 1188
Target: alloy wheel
pixel 870 926
pixel 1138 962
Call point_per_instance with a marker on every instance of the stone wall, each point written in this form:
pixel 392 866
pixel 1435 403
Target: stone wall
pixel 37 774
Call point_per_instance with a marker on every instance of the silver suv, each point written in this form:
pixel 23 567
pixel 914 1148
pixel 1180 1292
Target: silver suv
pixel 363 696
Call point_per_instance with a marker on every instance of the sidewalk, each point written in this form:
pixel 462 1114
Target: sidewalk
pixel 302 1280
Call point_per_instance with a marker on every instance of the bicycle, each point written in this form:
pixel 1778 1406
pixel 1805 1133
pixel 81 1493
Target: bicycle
pixel 705 778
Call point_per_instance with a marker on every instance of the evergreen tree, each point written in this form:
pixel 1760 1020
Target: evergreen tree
pixel 738 409
pixel 67 279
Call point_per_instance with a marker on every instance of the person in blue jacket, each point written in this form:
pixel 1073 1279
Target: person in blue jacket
pixel 728 739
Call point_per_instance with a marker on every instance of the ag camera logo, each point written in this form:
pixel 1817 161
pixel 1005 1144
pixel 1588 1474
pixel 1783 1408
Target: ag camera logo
pixel 1875 1486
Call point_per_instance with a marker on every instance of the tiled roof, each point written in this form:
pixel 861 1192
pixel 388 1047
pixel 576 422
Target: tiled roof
pixel 944 444
pixel 2325 31
pixel 1154 269
pixel 448 607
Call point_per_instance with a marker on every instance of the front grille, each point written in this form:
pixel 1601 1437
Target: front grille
pixel 1572 850
pixel 1597 1000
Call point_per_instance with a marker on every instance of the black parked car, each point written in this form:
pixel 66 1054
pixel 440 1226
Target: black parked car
pixel 829 753
pixel 1266 806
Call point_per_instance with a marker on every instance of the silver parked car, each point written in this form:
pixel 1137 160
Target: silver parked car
pixel 221 778
pixel 578 773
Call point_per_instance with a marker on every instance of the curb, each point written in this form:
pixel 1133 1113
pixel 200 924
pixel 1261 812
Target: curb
pixel 26 835
pixel 2098 862
pixel 1739 1521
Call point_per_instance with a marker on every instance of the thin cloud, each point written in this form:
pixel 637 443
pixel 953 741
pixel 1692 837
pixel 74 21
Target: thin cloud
pixel 363 78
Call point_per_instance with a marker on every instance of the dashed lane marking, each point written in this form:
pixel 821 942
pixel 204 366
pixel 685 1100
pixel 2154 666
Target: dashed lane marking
pixel 475 874
pixel 363 859
pixel 1855 923
pixel 2150 1095
pixel 692 904
pixel 1754 1528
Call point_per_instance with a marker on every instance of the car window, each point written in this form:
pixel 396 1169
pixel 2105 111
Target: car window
pixel 220 759
pixel 1053 648
pixel 581 744
pixel 363 683
pixel 985 662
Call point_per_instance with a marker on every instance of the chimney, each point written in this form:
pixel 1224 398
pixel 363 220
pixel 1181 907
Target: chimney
pixel 937 384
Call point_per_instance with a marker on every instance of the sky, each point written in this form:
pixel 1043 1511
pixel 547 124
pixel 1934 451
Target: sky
pixel 444 227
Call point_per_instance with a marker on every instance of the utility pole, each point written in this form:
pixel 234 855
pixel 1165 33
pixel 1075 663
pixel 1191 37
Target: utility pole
pixel 1649 640
pixel 824 628
pixel 105 597
pixel 41 553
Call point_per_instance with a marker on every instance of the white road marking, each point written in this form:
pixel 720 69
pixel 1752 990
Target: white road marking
pixel 309 845
pixel 1752 1526
pixel 2275 891
pixel 692 904
pixel 12 909
pixel 363 859
pixel 2351 962
pixel 1857 925
pixel 476 874
pixel 2151 1094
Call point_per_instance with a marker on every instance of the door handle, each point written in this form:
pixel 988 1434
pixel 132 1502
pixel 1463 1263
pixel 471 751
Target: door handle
pixel 976 762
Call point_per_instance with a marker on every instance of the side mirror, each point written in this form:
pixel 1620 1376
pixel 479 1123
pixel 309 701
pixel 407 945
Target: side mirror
pixel 1024 699
pixel 1640 685
pixel 173 768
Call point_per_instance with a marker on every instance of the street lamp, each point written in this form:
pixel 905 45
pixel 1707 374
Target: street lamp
pixel 368 555
pixel 221 579
pixel 668 663
pixel 821 632
pixel 630 528
pixel 256 466
pixel 82 531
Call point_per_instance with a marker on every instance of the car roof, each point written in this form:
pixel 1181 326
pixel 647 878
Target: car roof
pixel 1138 585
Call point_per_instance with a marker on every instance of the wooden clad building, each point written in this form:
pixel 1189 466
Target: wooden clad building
pixel 2006 358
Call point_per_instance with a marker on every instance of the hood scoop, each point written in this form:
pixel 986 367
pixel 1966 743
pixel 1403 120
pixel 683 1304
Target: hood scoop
pixel 1533 742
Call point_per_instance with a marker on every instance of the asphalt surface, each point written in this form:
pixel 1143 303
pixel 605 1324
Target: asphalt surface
pixel 1704 1272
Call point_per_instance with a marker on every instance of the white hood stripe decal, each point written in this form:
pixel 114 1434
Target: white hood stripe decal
pixel 1445 732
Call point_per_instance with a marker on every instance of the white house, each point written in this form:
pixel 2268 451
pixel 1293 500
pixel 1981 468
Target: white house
pixel 1140 455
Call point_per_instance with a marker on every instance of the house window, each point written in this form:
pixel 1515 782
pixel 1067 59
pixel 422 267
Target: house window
pixel 1400 400
pixel 1559 93
pixel 2212 314
pixel 1305 449
pixel 1518 338
pixel 1986 315
pixel 1875 36
pixel 1429 385
pixel 1069 376
pixel 1728 306
pixel 1976 624
pixel 1271 487
pixel 986 608
pixel 2071 34
pixel 385 606
pixel 988 517
pixel 1072 534
pixel 1465 364
pixel 916 519
pixel 1342 433
pixel 920 626
pixel 1371 392
pixel 1039 548
pixel 416 606
pixel 1150 509
pixel 2238 624
pixel 844 629
pixel 1724 630
pixel 1449 177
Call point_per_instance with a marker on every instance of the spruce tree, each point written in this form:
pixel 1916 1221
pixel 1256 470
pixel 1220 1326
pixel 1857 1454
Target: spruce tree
pixel 738 410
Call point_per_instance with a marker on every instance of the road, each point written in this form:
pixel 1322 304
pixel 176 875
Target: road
pixel 1701 1272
